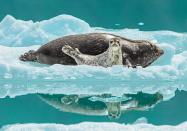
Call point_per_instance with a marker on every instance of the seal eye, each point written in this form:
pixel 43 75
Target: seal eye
pixel 111 41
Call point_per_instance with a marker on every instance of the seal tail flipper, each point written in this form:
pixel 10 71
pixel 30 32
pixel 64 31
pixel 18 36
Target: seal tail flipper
pixel 28 56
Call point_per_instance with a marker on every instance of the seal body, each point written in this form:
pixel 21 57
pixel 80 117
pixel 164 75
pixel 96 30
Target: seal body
pixel 139 52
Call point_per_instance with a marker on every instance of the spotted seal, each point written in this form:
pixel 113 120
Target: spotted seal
pixel 112 56
pixel 138 52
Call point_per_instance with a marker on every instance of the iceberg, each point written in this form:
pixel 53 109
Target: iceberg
pixel 24 33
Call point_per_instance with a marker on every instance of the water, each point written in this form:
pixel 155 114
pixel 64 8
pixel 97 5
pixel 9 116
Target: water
pixel 40 94
pixel 156 15
pixel 22 111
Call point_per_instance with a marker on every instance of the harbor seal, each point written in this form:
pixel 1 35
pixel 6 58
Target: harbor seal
pixel 112 56
pixel 139 52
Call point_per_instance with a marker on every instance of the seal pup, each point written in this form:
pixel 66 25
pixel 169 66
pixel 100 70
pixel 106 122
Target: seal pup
pixel 139 52
pixel 112 56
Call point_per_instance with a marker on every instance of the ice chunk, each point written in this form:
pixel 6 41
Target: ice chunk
pixel 23 33
pixel 140 23
pixel 141 120
pixel 94 127
pixel 86 79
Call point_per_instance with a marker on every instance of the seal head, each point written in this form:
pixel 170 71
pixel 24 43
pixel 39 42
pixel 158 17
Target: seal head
pixel 143 53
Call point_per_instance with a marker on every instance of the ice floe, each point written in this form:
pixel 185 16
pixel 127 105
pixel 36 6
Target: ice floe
pixel 165 75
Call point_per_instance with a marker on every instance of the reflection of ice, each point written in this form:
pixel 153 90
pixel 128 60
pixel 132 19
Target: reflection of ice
pixel 17 88
pixel 102 104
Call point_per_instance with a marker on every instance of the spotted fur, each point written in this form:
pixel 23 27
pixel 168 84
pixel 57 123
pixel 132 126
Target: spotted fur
pixel 112 56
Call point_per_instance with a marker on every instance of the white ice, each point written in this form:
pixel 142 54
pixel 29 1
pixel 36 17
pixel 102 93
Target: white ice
pixel 91 126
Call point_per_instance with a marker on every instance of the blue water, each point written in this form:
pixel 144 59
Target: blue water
pixel 113 14
pixel 21 82
pixel 24 112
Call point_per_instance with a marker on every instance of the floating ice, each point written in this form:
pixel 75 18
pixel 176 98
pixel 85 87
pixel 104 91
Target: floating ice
pixel 94 127
pixel 166 75
pixel 140 23
pixel 141 120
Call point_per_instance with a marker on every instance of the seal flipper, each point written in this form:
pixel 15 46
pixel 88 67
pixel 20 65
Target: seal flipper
pixel 128 60
pixel 74 53
pixel 70 51
pixel 29 56
pixel 70 99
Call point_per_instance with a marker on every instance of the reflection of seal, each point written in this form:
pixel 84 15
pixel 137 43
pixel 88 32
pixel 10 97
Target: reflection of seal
pixel 104 104
pixel 138 52
pixel 70 103
pixel 113 55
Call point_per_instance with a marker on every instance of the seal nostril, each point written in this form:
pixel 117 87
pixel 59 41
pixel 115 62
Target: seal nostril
pixel 161 52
